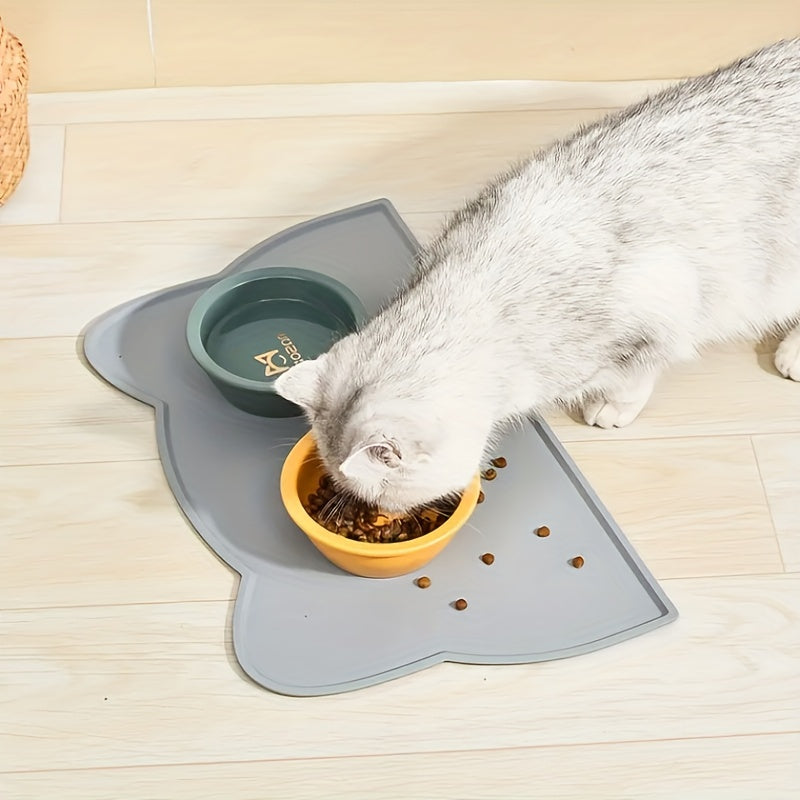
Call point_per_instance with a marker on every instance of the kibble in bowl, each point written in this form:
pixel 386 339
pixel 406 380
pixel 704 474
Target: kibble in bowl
pixel 366 553
pixel 353 520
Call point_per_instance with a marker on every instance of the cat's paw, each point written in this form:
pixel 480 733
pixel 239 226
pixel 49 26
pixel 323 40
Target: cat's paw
pixel 787 357
pixel 623 406
pixel 605 414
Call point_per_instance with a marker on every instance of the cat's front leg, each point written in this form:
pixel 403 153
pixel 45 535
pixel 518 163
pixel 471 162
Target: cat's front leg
pixel 787 356
pixel 620 406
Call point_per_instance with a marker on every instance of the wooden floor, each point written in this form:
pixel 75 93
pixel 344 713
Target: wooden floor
pixel 117 678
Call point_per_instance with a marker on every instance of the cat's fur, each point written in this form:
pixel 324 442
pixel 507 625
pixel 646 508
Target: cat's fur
pixel 576 278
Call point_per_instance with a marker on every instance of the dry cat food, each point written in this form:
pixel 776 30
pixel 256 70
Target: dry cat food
pixel 489 474
pixel 347 517
pixel 577 562
pixel 424 582
pixel 460 604
pixel 481 496
pixel 487 558
pixel 543 530
pixel 499 462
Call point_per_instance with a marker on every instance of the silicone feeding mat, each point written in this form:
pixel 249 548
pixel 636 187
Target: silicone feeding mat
pixel 301 626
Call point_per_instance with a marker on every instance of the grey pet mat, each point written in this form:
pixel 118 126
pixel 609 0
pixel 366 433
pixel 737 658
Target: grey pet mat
pixel 303 627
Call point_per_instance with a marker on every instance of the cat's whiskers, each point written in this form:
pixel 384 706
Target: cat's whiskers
pixel 326 511
pixel 286 445
pixel 312 459
pixel 338 508
pixel 416 518
pixel 334 507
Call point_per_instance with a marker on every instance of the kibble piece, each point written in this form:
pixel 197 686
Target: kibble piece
pixel 489 474
pixel 460 604
pixel 499 462
pixel 487 558
pixel 577 562
pixel 481 496
pixel 424 582
pixel 543 530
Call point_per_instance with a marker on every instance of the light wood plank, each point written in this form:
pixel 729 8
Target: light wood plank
pixel 779 462
pixel 88 44
pixel 307 41
pixel 94 534
pixel 333 100
pixel 37 198
pixel 690 506
pixel 735 768
pixel 97 266
pixel 293 167
pixel 730 390
pixel 728 666
pixel 54 410
pixel 83 44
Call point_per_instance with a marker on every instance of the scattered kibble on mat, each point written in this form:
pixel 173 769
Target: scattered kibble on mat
pixel 499 462
pixel 460 604
pixel 489 474
pixel 424 582
pixel 577 562
pixel 481 496
pixel 353 520
pixel 487 558
pixel 543 530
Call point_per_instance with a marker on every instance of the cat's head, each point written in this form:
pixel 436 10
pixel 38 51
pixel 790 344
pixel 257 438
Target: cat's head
pixel 396 445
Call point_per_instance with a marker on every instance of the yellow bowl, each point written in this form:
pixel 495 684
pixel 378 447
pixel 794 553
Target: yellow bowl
pixel 300 477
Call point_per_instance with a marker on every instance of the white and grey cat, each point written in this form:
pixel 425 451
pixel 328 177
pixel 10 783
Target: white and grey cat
pixel 576 278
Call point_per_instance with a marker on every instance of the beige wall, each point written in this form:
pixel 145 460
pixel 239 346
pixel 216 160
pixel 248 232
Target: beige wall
pixel 102 44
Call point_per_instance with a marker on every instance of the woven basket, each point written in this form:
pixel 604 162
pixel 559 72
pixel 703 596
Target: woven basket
pixel 14 138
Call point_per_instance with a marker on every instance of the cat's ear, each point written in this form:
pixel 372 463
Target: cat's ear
pixel 369 463
pixel 301 384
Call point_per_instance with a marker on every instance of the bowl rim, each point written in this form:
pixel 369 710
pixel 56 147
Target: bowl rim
pixel 301 450
pixel 222 287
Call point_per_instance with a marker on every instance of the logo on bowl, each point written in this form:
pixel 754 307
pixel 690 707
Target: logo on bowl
pixel 276 362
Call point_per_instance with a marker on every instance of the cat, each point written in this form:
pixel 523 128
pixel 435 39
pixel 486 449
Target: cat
pixel 574 279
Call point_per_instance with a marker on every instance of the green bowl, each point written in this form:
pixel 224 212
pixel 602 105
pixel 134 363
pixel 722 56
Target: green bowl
pixel 253 326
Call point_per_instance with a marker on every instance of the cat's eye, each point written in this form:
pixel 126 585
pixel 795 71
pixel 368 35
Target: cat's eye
pixel 382 453
pixel 386 454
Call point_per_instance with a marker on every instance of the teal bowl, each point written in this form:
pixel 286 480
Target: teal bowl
pixel 253 326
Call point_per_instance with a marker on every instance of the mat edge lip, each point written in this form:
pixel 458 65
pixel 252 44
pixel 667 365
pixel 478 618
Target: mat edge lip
pixel 217 290
pixel 417 665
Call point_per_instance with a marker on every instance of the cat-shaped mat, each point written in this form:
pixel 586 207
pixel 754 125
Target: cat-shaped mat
pixel 302 626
